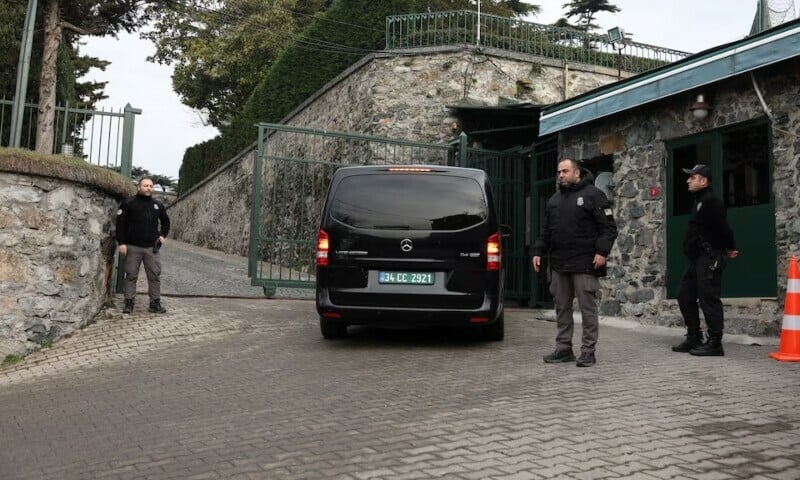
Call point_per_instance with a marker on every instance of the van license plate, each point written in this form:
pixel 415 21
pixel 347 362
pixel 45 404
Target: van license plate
pixel 406 278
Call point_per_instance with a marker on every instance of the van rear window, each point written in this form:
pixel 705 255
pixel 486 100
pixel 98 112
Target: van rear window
pixel 409 202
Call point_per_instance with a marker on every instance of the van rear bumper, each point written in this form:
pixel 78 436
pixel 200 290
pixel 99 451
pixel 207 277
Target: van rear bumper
pixel 490 309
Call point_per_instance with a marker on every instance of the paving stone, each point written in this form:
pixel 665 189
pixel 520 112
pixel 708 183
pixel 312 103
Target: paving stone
pixel 519 476
pixel 595 474
pixel 781 463
pixel 247 388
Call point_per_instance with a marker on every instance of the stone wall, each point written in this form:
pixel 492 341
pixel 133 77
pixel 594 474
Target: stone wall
pixel 636 283
pixel 56 254
pixel 216 213
pixel 403 95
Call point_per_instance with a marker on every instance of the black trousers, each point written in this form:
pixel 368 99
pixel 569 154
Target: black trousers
pixel 701 286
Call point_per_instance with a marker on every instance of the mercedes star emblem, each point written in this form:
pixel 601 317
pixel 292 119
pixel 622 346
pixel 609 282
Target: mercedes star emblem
pixel 406 245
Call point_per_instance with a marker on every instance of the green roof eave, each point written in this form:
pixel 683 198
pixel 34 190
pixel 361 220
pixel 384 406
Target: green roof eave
pixel 771 46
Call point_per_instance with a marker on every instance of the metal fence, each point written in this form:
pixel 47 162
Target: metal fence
pixel 507 173
pixel 464 27
pixel 101 137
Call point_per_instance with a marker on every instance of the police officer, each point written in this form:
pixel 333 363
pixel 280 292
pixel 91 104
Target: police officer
pixel 708 243
pixel 142 224
pixel 578 230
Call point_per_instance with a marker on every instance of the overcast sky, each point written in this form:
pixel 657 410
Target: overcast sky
pixel 166 127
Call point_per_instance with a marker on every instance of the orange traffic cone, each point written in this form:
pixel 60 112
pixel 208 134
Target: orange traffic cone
pixel 789 349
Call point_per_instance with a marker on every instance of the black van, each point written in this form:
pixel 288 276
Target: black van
pixel 409 246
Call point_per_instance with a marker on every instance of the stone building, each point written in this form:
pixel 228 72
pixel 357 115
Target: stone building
pixel 734 107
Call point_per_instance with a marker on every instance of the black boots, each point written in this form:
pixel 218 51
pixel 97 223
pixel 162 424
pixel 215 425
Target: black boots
pixel 560 356
pixel 586 360
pixel 156 307
pixel 712 348
pixel 128 308
pixel 693 340
pixel 694 345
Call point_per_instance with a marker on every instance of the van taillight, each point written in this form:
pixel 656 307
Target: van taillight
pixel 323 245
pixel 493 252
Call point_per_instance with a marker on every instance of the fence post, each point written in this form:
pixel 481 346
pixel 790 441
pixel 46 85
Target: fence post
pixel 126 162
pixel 64 120
pixel 125 168
pixel 258 166
pixel 462 149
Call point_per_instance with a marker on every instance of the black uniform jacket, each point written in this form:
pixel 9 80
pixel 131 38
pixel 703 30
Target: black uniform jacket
pixel 707 224
pixel 578 223
pixel 140 221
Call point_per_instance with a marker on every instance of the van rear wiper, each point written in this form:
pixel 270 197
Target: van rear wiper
pixel 392 227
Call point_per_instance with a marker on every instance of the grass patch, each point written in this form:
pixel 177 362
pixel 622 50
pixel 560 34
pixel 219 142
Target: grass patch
pixel 47 343
pixel 12 359
pixel 16 160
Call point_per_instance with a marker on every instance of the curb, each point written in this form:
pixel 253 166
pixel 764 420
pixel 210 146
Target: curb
pixel 628 324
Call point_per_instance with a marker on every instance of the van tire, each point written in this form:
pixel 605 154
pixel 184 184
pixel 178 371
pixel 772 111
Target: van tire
pixel 495 332
pixel 332 328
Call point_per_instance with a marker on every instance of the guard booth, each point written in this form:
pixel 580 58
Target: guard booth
pixel 292 169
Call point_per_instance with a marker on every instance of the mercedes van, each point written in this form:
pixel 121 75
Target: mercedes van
pixel 409 246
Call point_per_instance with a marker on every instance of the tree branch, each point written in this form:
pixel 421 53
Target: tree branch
pixel 83 31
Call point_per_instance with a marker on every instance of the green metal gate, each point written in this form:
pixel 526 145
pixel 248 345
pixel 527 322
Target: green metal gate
pixel 292 169
pixel 506 171
pixel 522 180
pixel 543 186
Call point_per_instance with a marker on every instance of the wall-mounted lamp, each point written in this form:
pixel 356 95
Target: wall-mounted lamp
pixel 700 107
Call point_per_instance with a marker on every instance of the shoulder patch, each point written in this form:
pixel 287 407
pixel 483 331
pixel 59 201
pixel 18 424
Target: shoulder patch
pixel 155 206
pixel 119 212
pixel 699 206
pixel 608 212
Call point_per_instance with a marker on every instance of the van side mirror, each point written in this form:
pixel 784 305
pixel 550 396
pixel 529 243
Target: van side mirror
pixel 505 230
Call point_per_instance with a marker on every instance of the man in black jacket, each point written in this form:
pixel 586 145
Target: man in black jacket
pixel 578 230
pixel 709 240
pixel 142 224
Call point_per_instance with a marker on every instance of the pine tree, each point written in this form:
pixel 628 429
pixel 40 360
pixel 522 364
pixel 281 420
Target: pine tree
pixel 586 11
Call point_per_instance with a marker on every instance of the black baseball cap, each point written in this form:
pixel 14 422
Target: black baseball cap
pixel 699 169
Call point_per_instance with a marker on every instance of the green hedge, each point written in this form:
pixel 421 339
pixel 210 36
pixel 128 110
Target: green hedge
pixel 199 161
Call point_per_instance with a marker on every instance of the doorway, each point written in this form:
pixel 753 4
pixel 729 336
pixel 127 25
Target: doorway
pixel 741 162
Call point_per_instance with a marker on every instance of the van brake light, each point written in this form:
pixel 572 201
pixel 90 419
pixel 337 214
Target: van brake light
pixel 323 246
pixel 409 169
pixel 493 255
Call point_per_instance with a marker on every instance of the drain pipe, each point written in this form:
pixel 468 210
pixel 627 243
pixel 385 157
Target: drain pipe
pixel 764 105
pixel 766 109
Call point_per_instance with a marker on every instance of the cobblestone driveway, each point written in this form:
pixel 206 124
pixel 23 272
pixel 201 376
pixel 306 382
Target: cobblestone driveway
pixel 247 388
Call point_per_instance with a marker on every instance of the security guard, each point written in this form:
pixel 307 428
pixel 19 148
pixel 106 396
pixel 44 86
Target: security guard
pixel 142 224
pixel 578 231
pixel 707 245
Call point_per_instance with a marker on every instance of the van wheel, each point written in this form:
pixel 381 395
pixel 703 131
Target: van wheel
pixel 332 328
pixel 496 331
